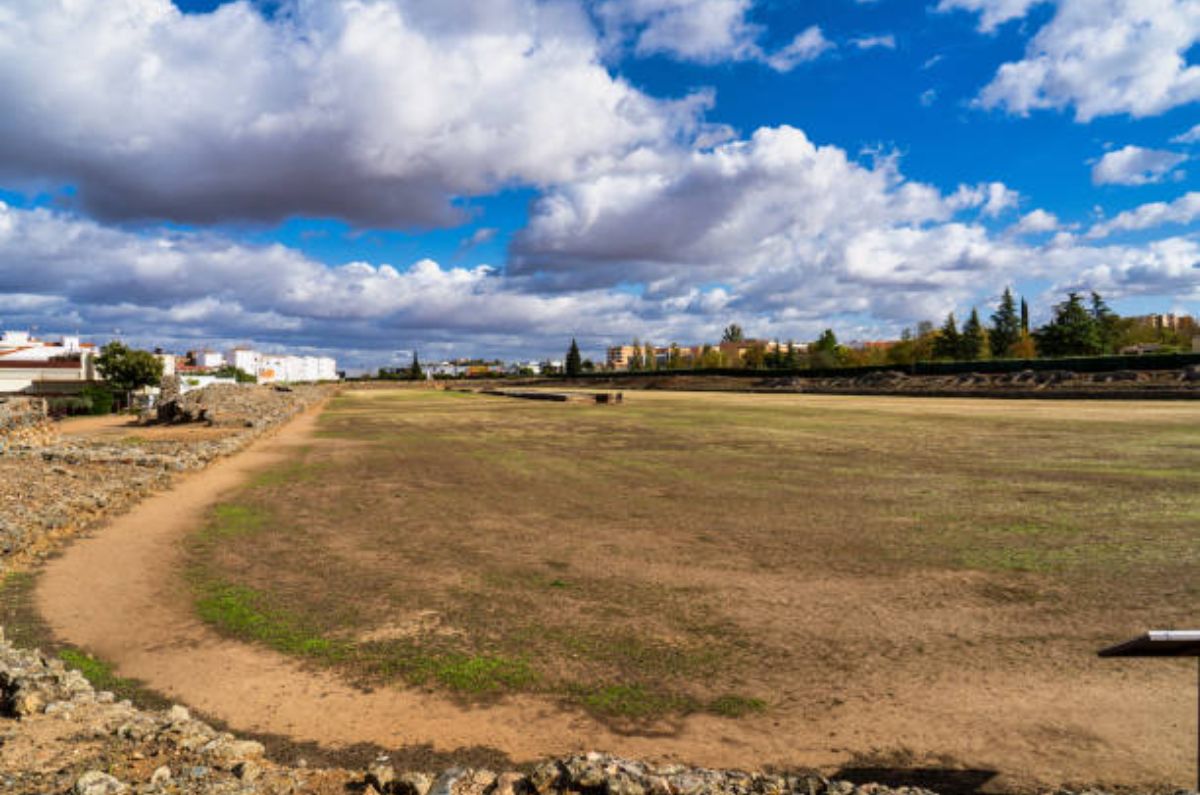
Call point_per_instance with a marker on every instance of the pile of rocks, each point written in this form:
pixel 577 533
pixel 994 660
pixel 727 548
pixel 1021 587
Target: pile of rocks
pixel 60 486
pixel 25 422
pixel 58 734
pixel 234 405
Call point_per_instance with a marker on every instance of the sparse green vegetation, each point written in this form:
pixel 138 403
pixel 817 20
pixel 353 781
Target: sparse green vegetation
pixel 703 553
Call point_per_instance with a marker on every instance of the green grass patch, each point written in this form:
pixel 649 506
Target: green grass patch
pixel 483 674
pixel 243 613
pixel 233 519
pixel 98 672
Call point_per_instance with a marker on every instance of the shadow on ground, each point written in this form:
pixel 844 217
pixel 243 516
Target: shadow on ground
pixel 945 781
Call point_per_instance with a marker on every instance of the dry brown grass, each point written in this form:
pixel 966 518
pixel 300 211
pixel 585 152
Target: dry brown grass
pixel 721 553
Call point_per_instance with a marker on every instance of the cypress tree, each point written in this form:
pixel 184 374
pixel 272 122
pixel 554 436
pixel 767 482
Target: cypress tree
pixel 1024 317
pixel 946 344
pixel 1108 323
pixel 414 370
pixel 973 340
pixel 574 362
pixel 1006 325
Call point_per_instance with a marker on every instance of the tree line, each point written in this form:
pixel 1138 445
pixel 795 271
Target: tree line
pixel 1079 326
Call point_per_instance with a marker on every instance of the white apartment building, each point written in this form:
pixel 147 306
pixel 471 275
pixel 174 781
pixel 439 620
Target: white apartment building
pixel 273 369
pixel 32 366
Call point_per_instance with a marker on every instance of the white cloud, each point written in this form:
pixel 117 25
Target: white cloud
pixel 1133 165
pixel 992 13
pixel 887 41
pixel 703 31
pixel 376 111
pixel 694 30
pixel 808 45
pixel 1101 57
pixel 775 216
pixel 1036 222
pixel 927 97
pixel 1183 210
pixel 1192 136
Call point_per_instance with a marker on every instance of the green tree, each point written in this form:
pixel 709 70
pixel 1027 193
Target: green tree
pixel 825 351
pixel 709 359
pixel 948 342
pixel 236 373
pixel 1108 324
pixel 972 342
pixel 1006 325
pixel 675 358
pixel 126 369
pixel 1072 332
pixel 733 333
pixel 574 362
pixel 1024 317
pixel 414 370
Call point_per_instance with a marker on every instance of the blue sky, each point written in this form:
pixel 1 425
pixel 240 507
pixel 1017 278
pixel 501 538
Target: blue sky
pixel 493 177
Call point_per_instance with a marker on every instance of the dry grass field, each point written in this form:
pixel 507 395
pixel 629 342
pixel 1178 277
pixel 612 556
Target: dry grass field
pixel 889 571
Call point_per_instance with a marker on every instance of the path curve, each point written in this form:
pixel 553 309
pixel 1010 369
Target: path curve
pixel 119 595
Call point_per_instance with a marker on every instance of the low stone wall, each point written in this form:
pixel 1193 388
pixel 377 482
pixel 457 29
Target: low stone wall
pixel 59 486
pixel 25 423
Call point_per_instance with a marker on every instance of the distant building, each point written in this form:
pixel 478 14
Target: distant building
pixel 206 359
pixel 245 359
pixel 1169 322
pixel 620 356
pixel 32 366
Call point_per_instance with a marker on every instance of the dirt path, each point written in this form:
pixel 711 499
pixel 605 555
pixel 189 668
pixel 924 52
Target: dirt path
pixel 119 595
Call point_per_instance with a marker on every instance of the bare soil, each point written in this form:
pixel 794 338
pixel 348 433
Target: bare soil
pixel 900 582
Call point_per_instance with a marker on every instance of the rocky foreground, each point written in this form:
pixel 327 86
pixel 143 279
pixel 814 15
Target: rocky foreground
pixel 60 735
pixel 53 485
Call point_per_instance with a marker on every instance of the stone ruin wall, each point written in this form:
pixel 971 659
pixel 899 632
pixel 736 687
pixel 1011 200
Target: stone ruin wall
pixel 25 423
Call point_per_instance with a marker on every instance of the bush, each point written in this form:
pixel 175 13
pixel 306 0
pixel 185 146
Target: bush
pixel 100 399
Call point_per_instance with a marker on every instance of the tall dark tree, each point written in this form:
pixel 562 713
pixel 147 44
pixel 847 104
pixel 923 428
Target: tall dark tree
pixel 1108 324
pixel 1073 331
pixel 1024 317
pixel 573 365
pixel 733 333
pixel 1006 325
pixel 415 373
pixel 972 342
pixel 946 344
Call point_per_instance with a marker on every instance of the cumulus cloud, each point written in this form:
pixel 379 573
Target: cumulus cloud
pixel 777 217
pixel 992 13
pixel 1133 165
pixel 703 31
pixel 1101 57
pixel 379 112
pixel 1183 210
pixel 1036 222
